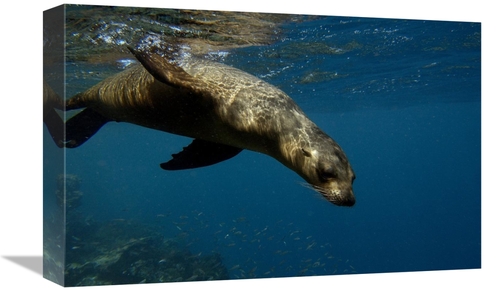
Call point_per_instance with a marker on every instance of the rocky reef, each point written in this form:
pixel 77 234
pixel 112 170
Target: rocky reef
pixel 79 251
pixel 127 252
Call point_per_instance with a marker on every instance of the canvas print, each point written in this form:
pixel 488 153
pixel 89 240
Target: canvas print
pixel 196 145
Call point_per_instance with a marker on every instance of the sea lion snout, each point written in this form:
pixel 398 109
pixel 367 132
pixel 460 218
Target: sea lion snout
pixel 339 191
pixel 340 197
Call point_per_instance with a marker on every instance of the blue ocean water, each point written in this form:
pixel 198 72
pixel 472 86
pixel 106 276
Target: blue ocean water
pixel 402 98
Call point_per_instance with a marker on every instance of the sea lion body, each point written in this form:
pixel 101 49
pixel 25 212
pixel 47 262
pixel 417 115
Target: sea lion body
pixel 220 105
pixel 153 104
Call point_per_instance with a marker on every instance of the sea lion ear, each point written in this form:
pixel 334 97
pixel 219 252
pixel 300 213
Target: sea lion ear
pixel 306 153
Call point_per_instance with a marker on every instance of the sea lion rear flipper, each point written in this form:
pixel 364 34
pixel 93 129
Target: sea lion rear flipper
pixel 200 153
pixel 83 126
pixel 51 119
pixel 55 125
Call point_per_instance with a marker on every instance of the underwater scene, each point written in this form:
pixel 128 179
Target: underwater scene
pixel 402 98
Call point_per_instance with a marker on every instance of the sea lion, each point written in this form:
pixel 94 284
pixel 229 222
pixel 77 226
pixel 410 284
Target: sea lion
pixel 223 108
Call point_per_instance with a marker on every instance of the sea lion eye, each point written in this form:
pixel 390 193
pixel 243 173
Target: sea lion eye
pixel 327 174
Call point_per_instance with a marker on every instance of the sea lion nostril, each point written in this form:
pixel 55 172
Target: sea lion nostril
pixel 349 202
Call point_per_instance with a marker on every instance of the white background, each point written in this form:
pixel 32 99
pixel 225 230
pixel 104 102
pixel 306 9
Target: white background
pixel 21 142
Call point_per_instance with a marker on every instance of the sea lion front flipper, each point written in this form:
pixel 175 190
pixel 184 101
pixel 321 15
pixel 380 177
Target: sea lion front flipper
pixel 165 69
pixel 83 126
pixel 200 153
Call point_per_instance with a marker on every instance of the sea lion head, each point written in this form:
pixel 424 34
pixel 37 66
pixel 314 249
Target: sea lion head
pixel 326 168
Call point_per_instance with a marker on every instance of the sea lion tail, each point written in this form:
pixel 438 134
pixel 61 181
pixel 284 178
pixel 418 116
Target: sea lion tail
pixel 75 102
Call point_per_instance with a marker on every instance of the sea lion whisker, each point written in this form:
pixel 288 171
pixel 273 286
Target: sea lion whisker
pixel 333 196
pixel 324 192
pixel 318 195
